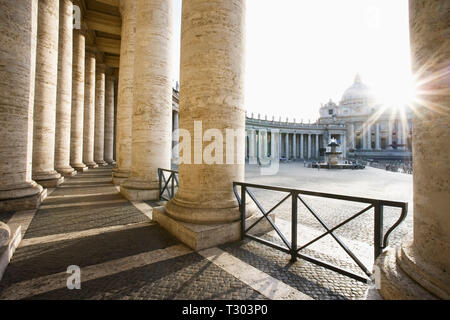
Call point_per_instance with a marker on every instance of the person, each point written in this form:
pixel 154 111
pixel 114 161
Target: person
pixel 304 163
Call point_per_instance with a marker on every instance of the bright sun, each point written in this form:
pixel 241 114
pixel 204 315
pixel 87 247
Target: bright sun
pixel 403 94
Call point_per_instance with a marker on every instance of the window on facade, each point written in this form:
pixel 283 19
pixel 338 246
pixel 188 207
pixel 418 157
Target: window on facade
pixel 330 111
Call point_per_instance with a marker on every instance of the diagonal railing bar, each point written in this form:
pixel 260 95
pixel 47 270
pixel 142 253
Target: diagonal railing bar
pixel 283 238
pixel 380 241
pixel 336 227
pixel 165 183
pixel 268 212
pixel 338 240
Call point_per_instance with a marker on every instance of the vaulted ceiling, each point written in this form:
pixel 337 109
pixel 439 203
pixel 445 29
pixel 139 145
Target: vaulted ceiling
pixel 103 21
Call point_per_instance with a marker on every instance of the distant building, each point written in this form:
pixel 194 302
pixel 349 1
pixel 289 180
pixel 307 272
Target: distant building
pixel 358 123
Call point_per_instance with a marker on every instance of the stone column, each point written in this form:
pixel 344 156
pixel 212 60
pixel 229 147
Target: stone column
pixel 301 146
pixel 390 135
pixel 212 90
pixel 294 146
pixel 344 146
pixel 377 136
pixel 280 144
pixel 99 127
pixel 274 149
pixel 109 119
pixel 286 143
pixel 260 144
pixel 175 139
pixel 18 27
pixel 364 136
pixel 252 149
pixel 77 114
pixel 64 90
pixel 45 95
pixel 246 145
pixel 352 135
pixel 125 91
pixel 420 269
pixel 152 100
pixel 369 137
pixel 309 146
pixel 317 146
pixel 89 109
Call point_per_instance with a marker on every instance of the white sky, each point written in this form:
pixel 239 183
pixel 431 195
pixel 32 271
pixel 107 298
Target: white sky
pixel 301 53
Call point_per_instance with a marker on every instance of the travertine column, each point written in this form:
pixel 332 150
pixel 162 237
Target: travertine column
pixel 212 90
pixel 125 91
pixel 109 119
pixel 89 109
pixel 317 147
pixel 175 139
pixel 364 135
pixel 18 27
pixel 377 136
pixel 309 146
pixel 286 143
pixel 77 114
pixel 344 146
pixel 301 146
pixel 252 149
pixel 420 269
pixel 274 148
pixel 352 135
pixel 260 144
pixel 45 95
pixel 294 146
pixel 99 135
pixel 369 137
pixel 390 135
pixel 64 90
pixel 152 100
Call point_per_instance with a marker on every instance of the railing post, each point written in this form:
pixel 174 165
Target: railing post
pixel 294 227
pixel 160 182
pixel 378 235
pixel 172 176
pixel 242 207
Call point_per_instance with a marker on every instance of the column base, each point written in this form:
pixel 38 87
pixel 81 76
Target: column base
pixel 91 165
pixel 396 282
pixel 202 236
pixel 50 183
pixel 110 162
pixel 66 172
pixel 101 163
pixel 134 193
pixel 119 176
pixel 79 167
pixel 22 199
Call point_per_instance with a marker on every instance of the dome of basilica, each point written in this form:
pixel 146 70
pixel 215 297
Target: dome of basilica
pixel 358 94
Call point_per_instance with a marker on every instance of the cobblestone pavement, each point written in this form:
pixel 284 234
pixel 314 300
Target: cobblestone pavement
pixel 123 255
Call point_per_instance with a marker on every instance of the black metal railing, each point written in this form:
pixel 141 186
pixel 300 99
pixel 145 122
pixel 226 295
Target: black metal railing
pixel 291 247
pixel 167 185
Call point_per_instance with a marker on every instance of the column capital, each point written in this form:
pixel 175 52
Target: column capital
pixel 91 51
pixel 101 68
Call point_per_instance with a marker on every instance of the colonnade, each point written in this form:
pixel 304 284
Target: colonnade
pixel 396 132
pixel 291 145
pixel 53 101
pixel 204 212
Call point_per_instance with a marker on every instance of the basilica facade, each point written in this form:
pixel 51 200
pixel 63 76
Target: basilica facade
pixel 363 128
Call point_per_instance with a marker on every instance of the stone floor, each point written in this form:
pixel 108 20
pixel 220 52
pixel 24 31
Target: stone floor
pixel 122 254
